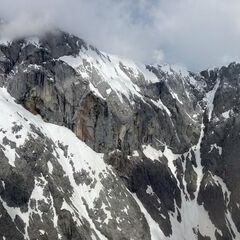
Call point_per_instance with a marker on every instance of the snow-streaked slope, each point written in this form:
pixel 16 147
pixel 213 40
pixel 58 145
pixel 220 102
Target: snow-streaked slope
pixel 83 157
pixel 82 198
pixel 194 217
pixel 126 78
pixel 118 74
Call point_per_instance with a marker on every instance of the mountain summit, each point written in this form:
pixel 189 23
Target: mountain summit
pixel 93 146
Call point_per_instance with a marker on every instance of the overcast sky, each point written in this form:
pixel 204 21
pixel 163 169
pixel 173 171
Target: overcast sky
pixel 195 33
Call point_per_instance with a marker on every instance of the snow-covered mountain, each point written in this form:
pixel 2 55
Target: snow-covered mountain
pixel 93 146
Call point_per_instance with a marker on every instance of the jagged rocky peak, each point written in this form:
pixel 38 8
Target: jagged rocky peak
pixel 95 146
pixel 121 88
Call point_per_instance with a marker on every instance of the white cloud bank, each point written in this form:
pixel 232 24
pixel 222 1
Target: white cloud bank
pixel 195 33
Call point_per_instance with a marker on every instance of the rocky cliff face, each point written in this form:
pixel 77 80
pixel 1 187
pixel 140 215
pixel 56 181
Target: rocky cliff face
pixel 93 146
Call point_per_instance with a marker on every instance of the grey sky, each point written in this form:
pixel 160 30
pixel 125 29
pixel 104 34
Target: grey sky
pixel 194 33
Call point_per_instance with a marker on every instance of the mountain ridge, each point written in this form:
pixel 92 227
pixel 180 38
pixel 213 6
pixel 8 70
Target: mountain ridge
pixel 167 140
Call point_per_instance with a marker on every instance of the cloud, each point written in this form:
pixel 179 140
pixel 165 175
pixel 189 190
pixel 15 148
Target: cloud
pixel 25 26
pixel 194 33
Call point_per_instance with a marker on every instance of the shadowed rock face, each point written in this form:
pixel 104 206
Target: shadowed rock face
pixel 169 140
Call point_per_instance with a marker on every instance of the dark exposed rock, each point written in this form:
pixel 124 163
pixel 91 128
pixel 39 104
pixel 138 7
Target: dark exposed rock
pixel 211 196
pixel 164 186
pixel 191 178
pixel 68 227
pixel 8 229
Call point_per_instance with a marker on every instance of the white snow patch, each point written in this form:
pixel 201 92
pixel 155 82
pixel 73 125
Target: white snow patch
pixel 42 232
pixel 210 98
pixel 151 152
pixel 95 91
pixel 216 147
pixel 175 96
pixel 172 69
pixel 160 104
pixel 50 167
pixel 226 114
pixel 107 212
pixel 171 157
pixel 108 91
pixel 193 216
pixel 3 184
pixel 149 190
pixel 197 151
pixel 135 153
pixel 33 41
pixel 116 72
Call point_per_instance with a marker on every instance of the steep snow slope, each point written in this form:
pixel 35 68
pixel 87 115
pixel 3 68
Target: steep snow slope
pixel 78 173
pixel 124 77
pixel 115 74
pixel 16 117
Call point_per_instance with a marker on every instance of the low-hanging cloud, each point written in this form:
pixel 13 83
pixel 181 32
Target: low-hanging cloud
pixel 194 33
